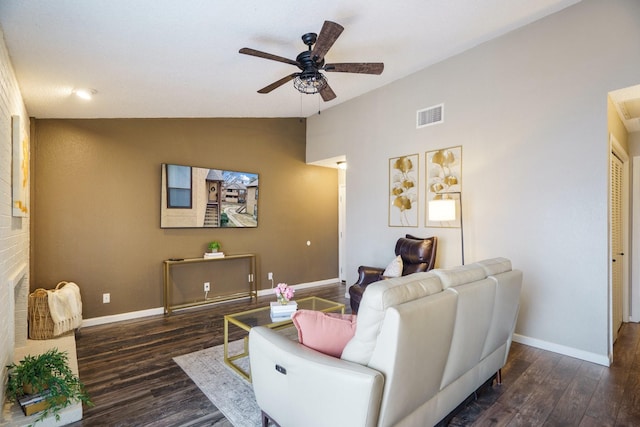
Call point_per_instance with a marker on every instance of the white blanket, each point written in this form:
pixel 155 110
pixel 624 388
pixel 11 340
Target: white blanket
pixel 65 307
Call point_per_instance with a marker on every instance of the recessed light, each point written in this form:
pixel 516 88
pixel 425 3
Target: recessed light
pixel 85 93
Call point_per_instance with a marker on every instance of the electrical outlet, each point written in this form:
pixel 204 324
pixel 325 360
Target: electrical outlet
pixel 270 275
pixel 207 286
pixel 106 298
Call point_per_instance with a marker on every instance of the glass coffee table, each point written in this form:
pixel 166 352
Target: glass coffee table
pixel 262 317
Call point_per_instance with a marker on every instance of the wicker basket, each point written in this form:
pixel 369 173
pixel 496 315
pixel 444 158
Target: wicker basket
pixel 40 321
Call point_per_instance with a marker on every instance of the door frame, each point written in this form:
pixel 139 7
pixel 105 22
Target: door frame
pixel 634 294
pixel 615 148
pixel 342 215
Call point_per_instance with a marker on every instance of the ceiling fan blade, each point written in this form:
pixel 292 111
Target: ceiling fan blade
pixel 328 35
pixel 356 67
pixel 278 83
pixel 327 93
pixel 259 54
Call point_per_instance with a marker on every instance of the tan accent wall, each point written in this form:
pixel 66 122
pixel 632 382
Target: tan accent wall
pixel 96 204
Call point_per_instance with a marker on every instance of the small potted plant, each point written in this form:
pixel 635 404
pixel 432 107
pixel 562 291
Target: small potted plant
pixel 49 375
pixel 214 246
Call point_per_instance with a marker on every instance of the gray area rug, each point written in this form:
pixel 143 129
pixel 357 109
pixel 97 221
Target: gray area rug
pixel 227 390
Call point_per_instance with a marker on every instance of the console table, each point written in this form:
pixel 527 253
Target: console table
pixel 219 262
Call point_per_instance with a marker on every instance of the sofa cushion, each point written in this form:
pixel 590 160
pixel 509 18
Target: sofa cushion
pixel 327 333
pixel 460 275
pixel 394 269
pixel 377 298
pixel 495 266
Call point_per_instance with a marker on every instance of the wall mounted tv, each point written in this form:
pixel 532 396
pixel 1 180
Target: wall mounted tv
pixel 194 197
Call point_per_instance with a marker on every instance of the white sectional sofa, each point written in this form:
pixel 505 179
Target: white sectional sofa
pixel 423 344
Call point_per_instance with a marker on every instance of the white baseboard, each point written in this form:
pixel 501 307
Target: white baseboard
pixel 326 282
pixel 160 310
pixel 122 316
pixel 600 359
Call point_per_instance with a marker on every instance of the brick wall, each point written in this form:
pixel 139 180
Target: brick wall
pixel 14 232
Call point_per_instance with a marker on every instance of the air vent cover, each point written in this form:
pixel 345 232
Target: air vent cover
pixel 430 116
pixel 630 108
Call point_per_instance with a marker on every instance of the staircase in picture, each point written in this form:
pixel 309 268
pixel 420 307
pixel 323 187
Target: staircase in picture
pixel 211 216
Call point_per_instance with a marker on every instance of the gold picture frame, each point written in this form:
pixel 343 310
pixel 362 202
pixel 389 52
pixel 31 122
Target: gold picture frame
pixel 404 172
pixel 443 181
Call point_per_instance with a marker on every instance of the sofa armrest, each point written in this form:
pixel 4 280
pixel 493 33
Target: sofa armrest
pixel 297 386
pixel 368 275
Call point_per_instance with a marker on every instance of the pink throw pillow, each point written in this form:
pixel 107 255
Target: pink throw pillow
pixel 327 333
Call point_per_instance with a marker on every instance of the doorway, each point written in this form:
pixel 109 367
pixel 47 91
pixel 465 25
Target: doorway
pixel 623 122
pixel 342 213
pixel 618 232
pixel 634 292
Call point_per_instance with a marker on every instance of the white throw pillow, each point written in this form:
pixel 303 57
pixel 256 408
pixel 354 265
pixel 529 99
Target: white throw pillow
pixel 394 269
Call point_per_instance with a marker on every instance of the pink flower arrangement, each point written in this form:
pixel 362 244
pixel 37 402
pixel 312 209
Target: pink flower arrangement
pixel 284 292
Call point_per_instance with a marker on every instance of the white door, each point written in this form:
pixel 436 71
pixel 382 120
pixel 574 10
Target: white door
pixel 617 254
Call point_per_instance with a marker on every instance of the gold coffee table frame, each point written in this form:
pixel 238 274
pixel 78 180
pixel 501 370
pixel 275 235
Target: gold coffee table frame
pixel 262 317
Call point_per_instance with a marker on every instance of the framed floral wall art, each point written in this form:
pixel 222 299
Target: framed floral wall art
pixel 444 177
pixel 403 191
pixel 20 168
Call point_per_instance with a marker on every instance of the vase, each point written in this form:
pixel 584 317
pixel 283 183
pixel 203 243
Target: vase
pixel 282 300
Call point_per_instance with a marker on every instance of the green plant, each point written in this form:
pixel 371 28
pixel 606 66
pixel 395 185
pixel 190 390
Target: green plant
pixel 214 246
pixel 48 372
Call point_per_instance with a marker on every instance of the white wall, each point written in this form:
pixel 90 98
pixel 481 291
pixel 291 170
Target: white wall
pixel 530 110
pixel 14 232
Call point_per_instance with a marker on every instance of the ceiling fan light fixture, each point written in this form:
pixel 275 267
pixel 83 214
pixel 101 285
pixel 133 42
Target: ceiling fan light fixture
pixel 310 83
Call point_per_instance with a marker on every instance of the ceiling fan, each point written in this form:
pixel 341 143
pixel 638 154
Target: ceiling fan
pixel 310 80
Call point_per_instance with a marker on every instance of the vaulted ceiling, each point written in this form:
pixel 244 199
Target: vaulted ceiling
pixel 175 58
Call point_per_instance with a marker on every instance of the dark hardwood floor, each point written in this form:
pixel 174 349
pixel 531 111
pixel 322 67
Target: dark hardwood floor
pixel 129 372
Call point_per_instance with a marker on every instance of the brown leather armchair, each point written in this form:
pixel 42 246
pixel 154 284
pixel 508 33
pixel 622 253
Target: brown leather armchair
pixel 417 255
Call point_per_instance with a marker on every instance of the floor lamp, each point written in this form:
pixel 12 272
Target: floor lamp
pixel 445 210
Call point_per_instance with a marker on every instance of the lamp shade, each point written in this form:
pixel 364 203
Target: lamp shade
pixel 442 210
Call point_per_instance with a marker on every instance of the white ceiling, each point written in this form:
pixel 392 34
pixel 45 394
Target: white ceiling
pixel 179 58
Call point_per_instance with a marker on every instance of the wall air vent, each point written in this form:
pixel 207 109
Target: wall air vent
pixel 630 108
pixel 430 116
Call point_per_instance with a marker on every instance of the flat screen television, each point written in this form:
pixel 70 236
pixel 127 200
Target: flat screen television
pixel 194 197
